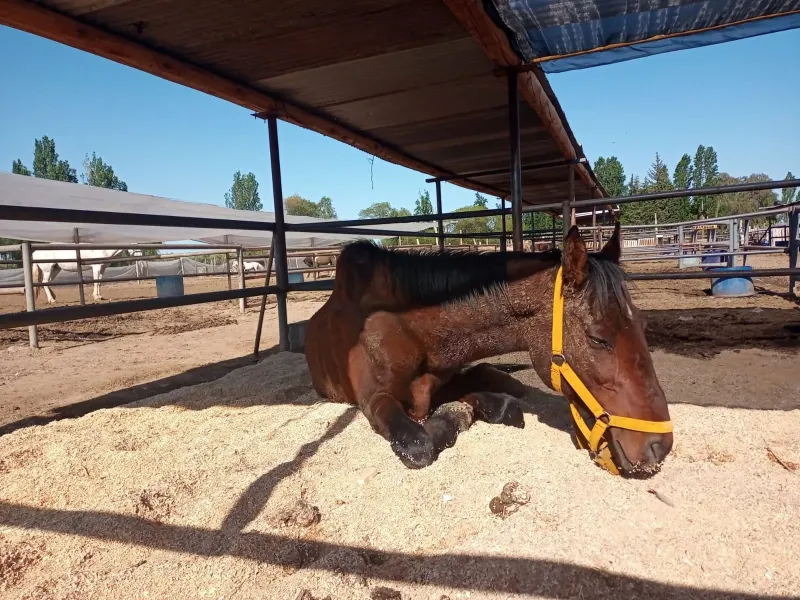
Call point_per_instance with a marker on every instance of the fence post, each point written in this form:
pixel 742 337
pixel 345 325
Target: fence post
pixel 794 246
pixel 240 262
pixel 279 235
pixel 680 246
pixel 79 265
pixel 566 206
pixel 746 238
pixel 30 299
pixel 516 161
pixel 503 241
pixel 732 239
pixel 440 223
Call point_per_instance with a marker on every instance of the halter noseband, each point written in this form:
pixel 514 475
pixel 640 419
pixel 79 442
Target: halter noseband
pixel 560 368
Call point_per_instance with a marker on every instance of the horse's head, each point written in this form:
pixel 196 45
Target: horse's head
pixel 309 261
pixel 604 367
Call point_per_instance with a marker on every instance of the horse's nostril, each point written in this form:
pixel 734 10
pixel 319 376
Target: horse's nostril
pixel 658 451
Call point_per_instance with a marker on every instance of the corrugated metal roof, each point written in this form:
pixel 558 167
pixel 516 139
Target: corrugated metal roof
pixel 411 82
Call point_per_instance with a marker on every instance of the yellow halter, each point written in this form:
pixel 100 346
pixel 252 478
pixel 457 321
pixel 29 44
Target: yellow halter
pixel 559 368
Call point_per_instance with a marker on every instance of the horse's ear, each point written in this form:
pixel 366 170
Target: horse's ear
pixel 613 247
pixel 575 259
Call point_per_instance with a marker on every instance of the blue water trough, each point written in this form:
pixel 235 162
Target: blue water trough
pixel 169 286
pixel 732 287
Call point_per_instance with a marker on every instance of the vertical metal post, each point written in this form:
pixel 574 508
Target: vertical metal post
pixel 533 228
pixel 79 265
pixel 746 240
pixel 30 299
pixel 769 231
pixel 228 266
pixel 279 235
pixel 516 161
pixel 553 227
pixel 503 240
pixel 595 244
pixel 439 212
pixel 267 277
pixel 731 261
pixel 240 262
pixel 566 207
pixel 680 245
pixel 794 246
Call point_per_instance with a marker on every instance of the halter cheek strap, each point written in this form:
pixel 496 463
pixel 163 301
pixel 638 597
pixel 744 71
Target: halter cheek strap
pixel 561 370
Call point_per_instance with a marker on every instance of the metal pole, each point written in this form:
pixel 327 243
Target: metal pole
pixel 228 266
pixel 439 212
pixel 516 162
pixel 746 240
pixel 794 246
pixel 566 206
pixel 30 300
pixel 731 242
pixel 769 231
pixel 79 265
pixel 595 245
pixel 503 240
pixel 267 277
pixel 279 237
pixel 240 262
pixel 553 221
pixel 680 244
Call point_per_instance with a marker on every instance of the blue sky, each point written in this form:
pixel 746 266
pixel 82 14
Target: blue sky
pixel 166 140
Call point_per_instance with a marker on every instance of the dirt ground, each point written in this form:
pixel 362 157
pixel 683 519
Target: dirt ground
pixel 90 508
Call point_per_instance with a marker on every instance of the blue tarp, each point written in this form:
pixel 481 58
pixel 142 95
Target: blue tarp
pixel 610 31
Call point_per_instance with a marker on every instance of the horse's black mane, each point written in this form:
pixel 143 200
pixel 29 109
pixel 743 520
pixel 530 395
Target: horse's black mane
pixel 430 277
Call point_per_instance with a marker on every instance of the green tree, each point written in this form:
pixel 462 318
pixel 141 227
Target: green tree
pixel 788 194
pixel 742 202
pixel 682 180
pixel 100 174
pixel 326 209
pixel 297 205
pixel 382 210
pixel 19 169
pixel 243 194
pixel 481 200
pixel 705 173
pixel 46 163
pixel 611 175
pixel 423 204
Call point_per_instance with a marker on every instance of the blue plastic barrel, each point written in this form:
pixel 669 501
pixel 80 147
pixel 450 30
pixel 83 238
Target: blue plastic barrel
pixel 169 286
pixel 732 287
pixel 296 278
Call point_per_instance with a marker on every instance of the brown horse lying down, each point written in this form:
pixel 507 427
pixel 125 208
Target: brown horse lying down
pixel 398 328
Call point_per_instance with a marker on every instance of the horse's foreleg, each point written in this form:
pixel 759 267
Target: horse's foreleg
pixel 97 272
pixel 491 393
pixel 47 276
pixel 409 440
pixel 448 421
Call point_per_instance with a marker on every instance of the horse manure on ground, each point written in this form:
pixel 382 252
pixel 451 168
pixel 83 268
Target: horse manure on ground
pixel 385 593
pixel 306 595
pixel 510 499
pixel 300 514
pixel 513 494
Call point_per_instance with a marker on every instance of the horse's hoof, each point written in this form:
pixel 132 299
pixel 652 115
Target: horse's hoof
pixel 414 447
pixel 500 409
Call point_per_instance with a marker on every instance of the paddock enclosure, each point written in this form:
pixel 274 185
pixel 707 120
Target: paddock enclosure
pixel 148 450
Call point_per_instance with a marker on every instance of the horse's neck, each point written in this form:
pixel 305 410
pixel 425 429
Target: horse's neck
pixel 497 322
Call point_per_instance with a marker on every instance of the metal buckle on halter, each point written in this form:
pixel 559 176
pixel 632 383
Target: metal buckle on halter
pixel 558 359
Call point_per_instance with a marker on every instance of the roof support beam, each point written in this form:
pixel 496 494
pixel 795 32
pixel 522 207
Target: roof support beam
pixel 494 42
pixel 35 19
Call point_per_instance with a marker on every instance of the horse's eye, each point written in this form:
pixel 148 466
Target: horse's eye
pixel 600 342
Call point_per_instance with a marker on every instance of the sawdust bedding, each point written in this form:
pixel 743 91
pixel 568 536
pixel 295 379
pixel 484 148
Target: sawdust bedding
pixel 249 487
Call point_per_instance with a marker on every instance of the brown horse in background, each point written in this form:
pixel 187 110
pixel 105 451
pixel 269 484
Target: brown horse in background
pixel 398 328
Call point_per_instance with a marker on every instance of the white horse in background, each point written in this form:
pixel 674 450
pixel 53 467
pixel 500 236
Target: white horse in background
pixel 45 272
pixel 249 266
